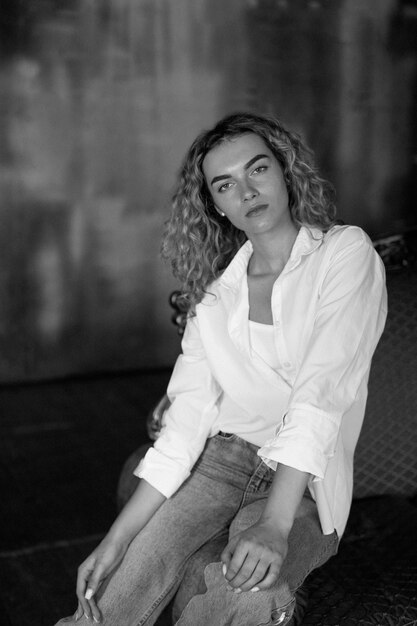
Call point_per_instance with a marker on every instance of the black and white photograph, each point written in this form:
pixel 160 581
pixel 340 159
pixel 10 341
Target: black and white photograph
pixel 208 312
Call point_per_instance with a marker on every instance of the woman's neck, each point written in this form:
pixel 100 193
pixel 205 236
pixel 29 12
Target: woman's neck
pixel 271 251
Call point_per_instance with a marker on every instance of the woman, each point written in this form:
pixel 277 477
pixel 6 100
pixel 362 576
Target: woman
pixel 249 485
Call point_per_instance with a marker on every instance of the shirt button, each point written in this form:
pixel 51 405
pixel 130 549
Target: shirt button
pixel 286 364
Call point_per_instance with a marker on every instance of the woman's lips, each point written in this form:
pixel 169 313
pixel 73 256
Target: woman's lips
pixel 255 210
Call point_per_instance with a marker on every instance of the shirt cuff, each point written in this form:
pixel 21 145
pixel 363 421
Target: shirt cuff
pixel 163 473
pixel 306 441
pixel 298 455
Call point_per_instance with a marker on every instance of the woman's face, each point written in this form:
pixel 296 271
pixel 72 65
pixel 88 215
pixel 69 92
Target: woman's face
pixel 247 184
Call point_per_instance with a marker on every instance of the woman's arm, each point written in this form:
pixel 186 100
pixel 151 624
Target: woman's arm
pixel 334 363
pixel 253 558
pixel 144 502
pixel 193 393
pixel 188 422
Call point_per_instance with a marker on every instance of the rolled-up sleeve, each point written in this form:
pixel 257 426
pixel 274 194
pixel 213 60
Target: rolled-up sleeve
pixel 350 316
pixel 193 393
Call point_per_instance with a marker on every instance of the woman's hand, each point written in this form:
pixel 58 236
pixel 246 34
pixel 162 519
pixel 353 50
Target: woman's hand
pixel 253 558
pixel 93 571
pixel 143 504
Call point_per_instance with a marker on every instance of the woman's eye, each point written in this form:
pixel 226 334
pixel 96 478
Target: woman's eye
pixel 224 187
pixel 260 169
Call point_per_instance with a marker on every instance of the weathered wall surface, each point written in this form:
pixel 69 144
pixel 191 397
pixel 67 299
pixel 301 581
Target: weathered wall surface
pixel 99 100
pixel 344 73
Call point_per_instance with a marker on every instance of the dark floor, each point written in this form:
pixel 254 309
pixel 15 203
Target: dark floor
pixel 62 446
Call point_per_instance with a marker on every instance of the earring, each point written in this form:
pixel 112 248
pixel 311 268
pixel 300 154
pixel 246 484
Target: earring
pixel 222 214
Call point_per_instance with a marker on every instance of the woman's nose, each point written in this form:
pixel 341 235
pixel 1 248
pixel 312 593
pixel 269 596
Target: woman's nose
pixel 248 191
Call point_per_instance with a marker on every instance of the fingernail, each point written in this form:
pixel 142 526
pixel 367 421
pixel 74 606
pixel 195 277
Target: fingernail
pixel 88 594
pixel 224 569
pixel 238 590
pixel 229 588
pixel 97 621
pixel 86 616
pixel 255 589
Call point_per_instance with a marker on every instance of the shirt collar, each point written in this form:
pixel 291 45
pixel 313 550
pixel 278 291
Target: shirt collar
pixel 308 240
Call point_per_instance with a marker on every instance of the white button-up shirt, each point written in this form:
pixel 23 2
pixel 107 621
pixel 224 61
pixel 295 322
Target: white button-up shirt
pixel 329 308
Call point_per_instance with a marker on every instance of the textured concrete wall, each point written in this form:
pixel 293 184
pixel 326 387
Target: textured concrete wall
pixel 99 100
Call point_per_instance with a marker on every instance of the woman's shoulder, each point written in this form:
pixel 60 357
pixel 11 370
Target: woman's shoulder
pixel 344 236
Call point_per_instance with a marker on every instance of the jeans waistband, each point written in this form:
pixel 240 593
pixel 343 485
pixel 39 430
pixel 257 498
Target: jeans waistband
pixel 229 458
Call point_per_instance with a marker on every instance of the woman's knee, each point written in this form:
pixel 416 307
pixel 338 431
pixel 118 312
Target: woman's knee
pixel 218 605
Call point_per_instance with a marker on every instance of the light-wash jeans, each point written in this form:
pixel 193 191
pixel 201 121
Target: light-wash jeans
pixel 178 552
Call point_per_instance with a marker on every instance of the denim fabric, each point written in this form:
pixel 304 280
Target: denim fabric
pixel 179 549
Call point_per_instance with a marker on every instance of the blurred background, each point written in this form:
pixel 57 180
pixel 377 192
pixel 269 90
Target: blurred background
pixel 99 99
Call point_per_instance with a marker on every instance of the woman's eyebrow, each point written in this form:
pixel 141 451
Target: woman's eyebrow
pixel 246 167
pixel 255 158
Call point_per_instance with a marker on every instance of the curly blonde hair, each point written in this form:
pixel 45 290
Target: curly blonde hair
pixel 197 241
